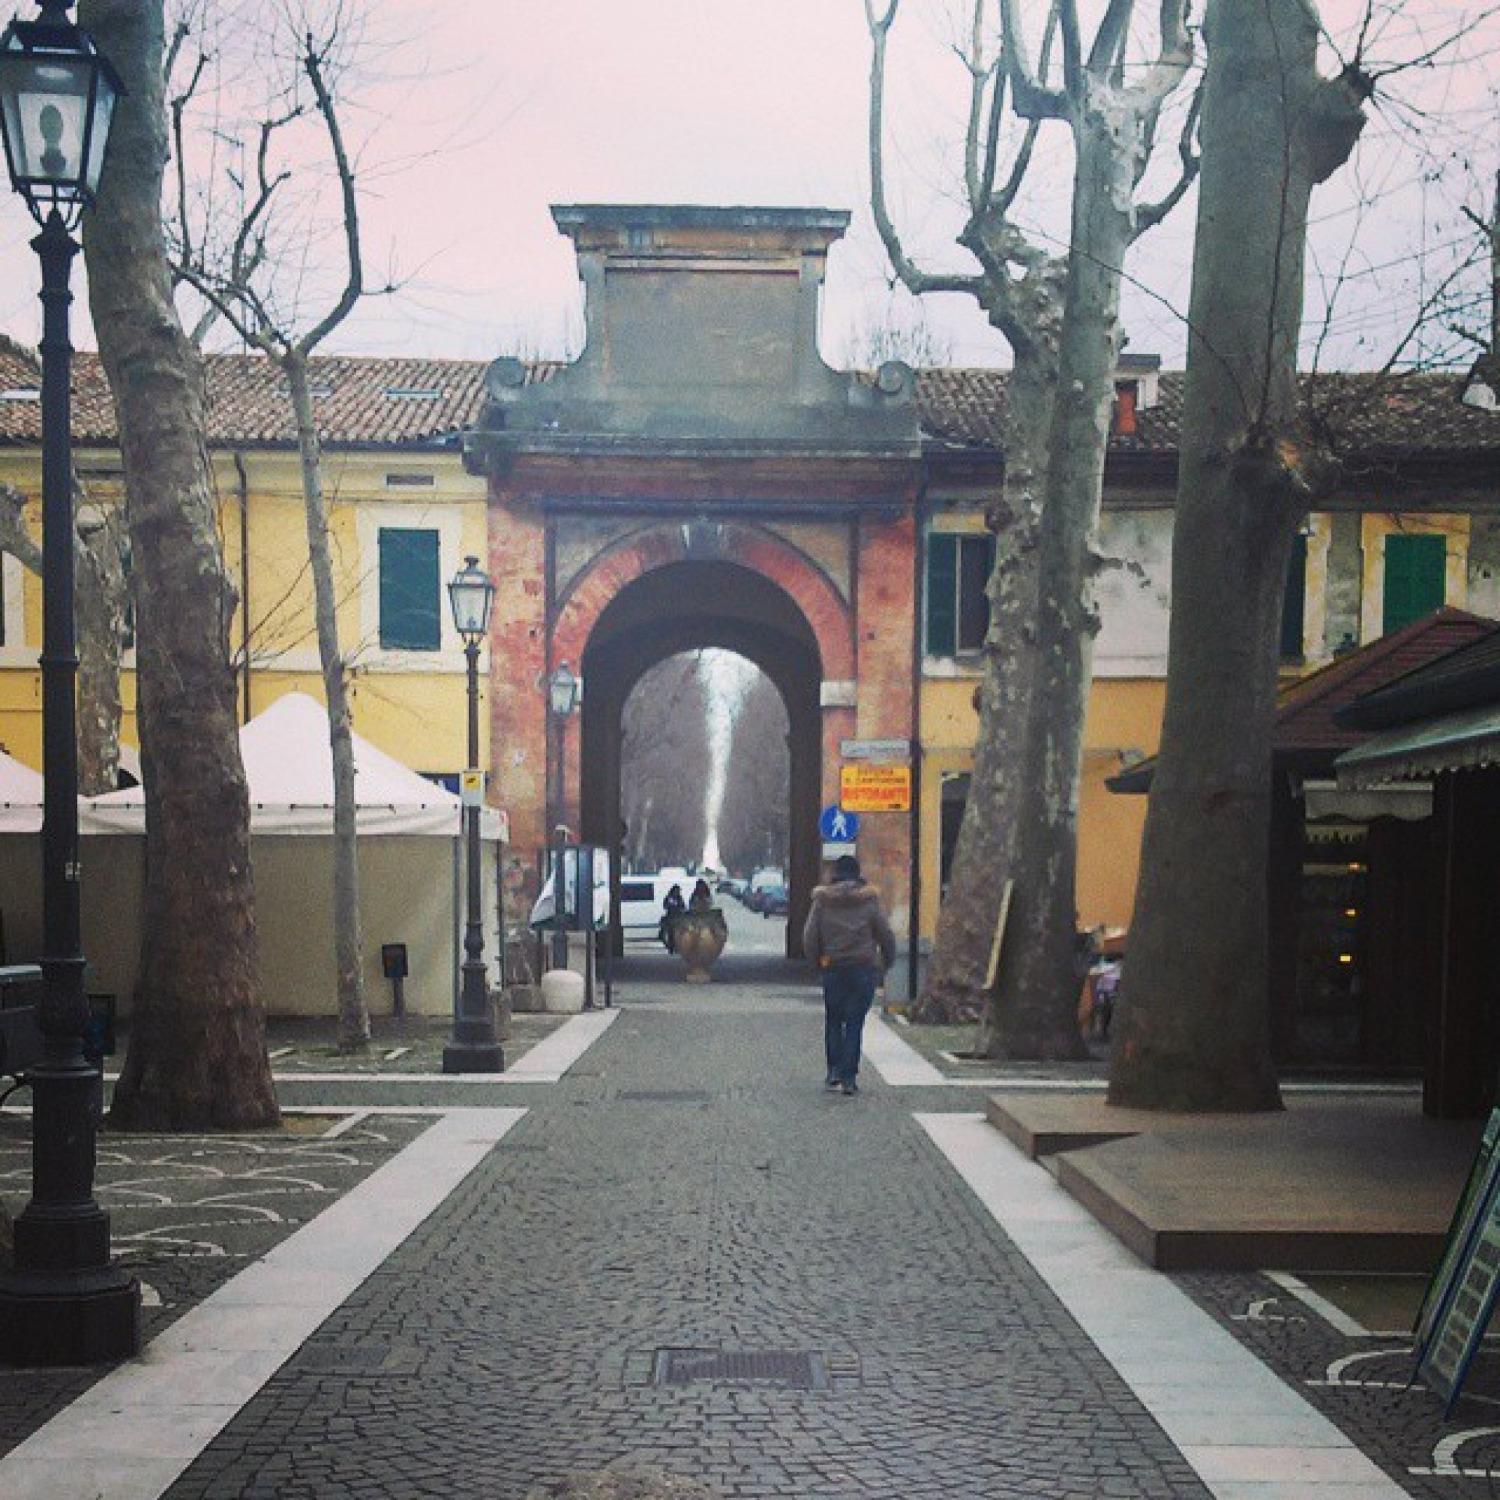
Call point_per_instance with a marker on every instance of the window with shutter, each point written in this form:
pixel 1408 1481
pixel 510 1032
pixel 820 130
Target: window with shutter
pixel 410 590
pixel 1416 570
pixel 1294 601
pixel 942 593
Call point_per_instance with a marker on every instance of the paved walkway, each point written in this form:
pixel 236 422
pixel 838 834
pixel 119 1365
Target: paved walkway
pixel 689 1186
pixel 686 1256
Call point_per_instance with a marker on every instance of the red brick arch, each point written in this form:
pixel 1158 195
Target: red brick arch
pixel 751 547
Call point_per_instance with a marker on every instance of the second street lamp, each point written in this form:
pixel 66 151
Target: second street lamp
pixel 64 1301
pixel 473 1047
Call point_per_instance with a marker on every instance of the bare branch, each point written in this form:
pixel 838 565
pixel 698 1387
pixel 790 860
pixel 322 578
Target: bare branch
pixel 1033 100
pixel 354 280
pixel 1109 40
pixel 1149 215
pixel 913 278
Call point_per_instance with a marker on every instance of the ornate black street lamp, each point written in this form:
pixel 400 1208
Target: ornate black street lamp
pixel 474 1047
pixel 64 1302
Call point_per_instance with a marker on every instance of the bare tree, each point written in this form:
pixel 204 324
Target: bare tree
pixel 1020 824
pixel 1019 286
pixel 664 761
pixel 753 819
pixel 1112 107
pixel 1193 1030
pixel 241 287
pixel 197 1055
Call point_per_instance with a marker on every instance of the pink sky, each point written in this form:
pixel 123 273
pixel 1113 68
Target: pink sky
pixel 529 102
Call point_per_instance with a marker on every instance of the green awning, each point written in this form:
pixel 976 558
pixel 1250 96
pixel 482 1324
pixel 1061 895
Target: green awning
pixel 1451 742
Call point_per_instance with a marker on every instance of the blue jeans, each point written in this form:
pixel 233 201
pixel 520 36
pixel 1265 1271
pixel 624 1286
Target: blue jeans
pixel 847 993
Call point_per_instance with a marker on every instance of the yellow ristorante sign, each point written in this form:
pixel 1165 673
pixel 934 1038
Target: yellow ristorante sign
pixel 875 788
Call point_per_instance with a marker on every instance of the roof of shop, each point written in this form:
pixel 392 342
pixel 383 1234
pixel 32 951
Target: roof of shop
pixel 1309 724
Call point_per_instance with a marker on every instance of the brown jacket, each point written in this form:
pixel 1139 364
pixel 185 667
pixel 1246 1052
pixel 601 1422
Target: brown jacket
pixel 847 926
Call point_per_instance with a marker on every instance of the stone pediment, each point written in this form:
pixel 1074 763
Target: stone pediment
pixel 701 337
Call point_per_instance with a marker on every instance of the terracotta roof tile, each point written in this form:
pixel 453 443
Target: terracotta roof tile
pixel 359 401
pixel 1370 415
pixel 392 402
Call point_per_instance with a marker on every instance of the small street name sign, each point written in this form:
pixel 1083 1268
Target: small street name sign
pixel 875 749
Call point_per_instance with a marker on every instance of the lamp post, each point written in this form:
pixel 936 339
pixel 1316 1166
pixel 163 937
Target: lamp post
pixel 564 689
pixel 473 1047
pixel 64 1301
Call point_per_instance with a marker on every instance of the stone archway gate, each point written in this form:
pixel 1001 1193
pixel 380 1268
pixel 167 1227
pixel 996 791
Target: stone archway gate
pixel 700 426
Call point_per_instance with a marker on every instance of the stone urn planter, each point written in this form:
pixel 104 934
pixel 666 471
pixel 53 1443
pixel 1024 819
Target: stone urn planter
pixel 699 938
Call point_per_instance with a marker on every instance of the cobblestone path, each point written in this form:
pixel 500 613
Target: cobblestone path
pixel 690 1187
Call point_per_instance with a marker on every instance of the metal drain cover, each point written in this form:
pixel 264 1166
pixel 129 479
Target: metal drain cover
pixel 790 1369
pixel 667 1096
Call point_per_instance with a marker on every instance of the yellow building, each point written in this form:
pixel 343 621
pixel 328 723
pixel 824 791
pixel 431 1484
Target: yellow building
pixel 403 514
pixel 1416 526
pixel 1417 529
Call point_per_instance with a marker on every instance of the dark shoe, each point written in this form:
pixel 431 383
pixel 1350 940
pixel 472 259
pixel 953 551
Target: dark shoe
pixel 850 1087
pixel 830 1082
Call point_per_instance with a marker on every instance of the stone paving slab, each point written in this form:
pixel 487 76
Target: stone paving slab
pixel 188 1212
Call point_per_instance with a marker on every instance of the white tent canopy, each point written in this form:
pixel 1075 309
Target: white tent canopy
pixel 20 797
pixel 289 767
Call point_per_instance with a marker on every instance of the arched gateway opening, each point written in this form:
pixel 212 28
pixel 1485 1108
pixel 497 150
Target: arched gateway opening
pixel 682 606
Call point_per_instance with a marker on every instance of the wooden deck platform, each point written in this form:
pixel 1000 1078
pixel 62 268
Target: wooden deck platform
pixel 1336 1182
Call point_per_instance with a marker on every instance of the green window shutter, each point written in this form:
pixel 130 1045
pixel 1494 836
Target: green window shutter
pixel 942 593
pixel 410 594
pixel 1294 601
pixel 1416 572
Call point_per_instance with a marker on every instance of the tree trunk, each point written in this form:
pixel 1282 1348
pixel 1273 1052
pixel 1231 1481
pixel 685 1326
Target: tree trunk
pixel 956 986
pixel 1194 1027
pixel 197 1056
pixel 354 1016
pixel 101 640
pixel 100 576
pixel 1037 1007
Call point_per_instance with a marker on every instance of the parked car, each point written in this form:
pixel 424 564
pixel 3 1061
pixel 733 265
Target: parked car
pixel 761 882
pixel 774 901
pixel 729 886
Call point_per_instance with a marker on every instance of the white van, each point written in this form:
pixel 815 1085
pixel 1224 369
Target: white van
pixel 640 911
pixel 641 898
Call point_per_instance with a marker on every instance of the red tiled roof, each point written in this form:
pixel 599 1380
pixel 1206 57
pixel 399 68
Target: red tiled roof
pixel 359 401
pixel 1305 710
pixel 1367 414
pixel 384 402
pixel 1305 724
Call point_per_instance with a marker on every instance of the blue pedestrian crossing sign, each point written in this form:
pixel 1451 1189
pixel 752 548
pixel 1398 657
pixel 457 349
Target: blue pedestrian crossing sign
pixel 838 826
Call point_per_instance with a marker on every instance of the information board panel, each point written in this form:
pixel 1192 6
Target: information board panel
pixel 875 788
pixel 1463 1318
pixel 1476 1189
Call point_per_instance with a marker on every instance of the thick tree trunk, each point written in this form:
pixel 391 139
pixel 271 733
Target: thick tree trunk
pixel 1194 1028
pixel 1037 1005
pixel 955 989
pixel 197 1054
pixel 354 1016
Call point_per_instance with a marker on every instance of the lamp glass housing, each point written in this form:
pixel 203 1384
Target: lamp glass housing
pixel 470 594
pixel 563 690
pixel 57 101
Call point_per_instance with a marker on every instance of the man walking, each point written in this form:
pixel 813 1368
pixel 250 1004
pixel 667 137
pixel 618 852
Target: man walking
pixel 849 938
